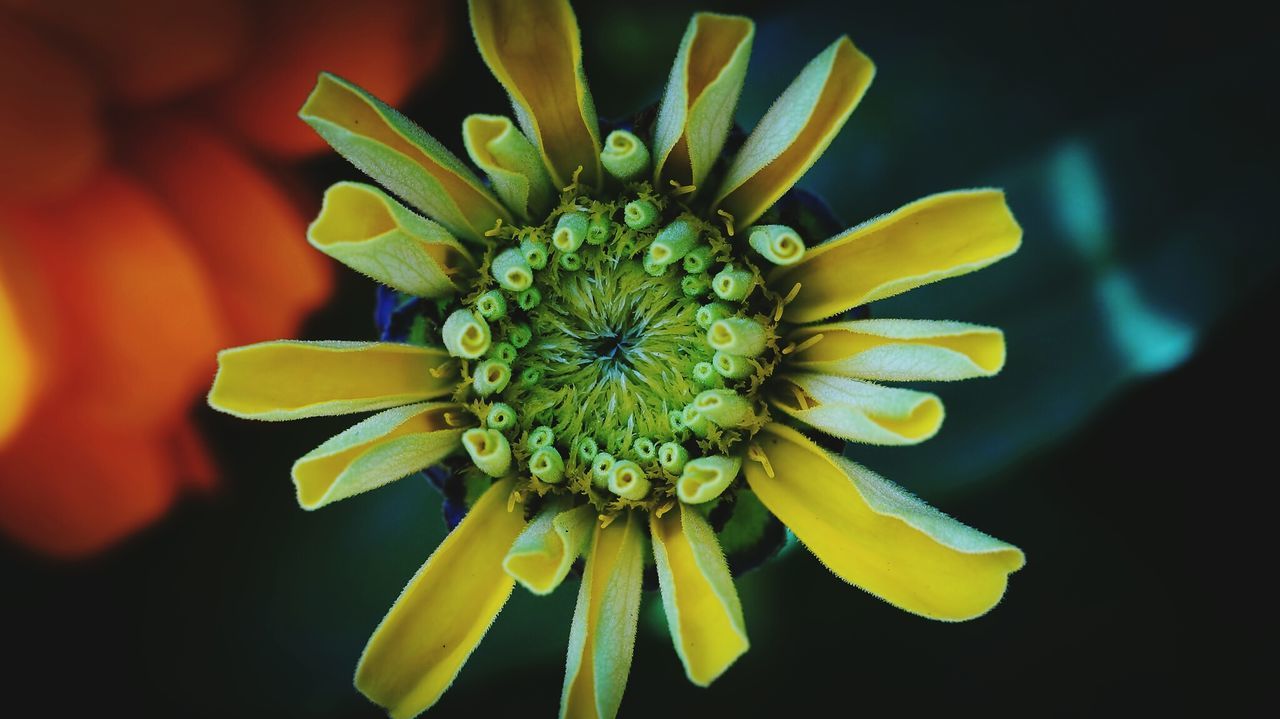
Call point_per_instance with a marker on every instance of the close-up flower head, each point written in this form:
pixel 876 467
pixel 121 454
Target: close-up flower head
pixel 631 344
pixel 613 331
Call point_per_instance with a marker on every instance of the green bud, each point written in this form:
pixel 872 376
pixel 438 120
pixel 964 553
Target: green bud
pixel 465 335
pixel 489 450
pixel 737 335
pixel 639 214
pixel 547 464
pixel 624 156
pixel 644 448
pixel 652 268
pixel 676 418
pixel 492 305
pixel 571 231
pixel 673 242
pixel 601 465
pixel 534 253
pixel 511 270
pixel 694 421
pixel 587 448
pixel 501 416
pixel 571 261
pixel 600 230
pixel 779 244
pixel 528 298
pixel 732 285
pixel 491 376
pixel 732 366
pixel 529 376
pixel 705 374
pixel 695 285
pixel 698 259
pixel 503 352
pixel 724 407
pixel 519 335
pixel 705 478
pixel 672 457
pixel 627 480
pixel 541 436
pixel 710 312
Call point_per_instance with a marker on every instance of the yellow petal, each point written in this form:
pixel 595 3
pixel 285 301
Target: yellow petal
pixel 533 48
pixel 701 603
pixel 444 611
pixel 858 411
pixel 379 450
pixel 512 163
pixel 795 131
pixel 363 228
pixel 401 156
pixel 940 236
pixel 873 534
pixel 291 379
pixel 542 556
pixel 697 108
pixel 603 633
pixel 898 350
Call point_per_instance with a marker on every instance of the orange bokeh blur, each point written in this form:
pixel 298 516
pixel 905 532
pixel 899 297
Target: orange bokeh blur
pixel 144 225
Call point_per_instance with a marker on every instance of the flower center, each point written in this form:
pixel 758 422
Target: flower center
pixel 615 351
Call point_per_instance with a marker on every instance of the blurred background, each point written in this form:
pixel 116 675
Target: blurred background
pixel 154 194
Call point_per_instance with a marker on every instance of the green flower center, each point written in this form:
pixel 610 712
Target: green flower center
pixel 613 345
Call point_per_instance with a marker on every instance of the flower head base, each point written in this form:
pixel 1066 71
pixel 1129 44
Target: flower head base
pixel 620 339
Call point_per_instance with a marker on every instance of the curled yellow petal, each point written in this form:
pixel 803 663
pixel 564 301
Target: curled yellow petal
pixel 512 163
pixel 533 48
pixel 365 229
pixel 292 379
pixel 401 156
pixel 858 411
pixel 379 450
pixel 444 611
pixel 795 131
pixel 898 350
pixel 698 596
pixel 603 632
pixel 931 239
pixel 543 554
pixel 697 108
pixel 873 534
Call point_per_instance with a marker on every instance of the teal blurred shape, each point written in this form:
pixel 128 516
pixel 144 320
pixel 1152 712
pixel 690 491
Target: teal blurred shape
pixel 1150 340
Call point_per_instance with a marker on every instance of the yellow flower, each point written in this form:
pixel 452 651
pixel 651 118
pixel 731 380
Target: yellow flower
pixel 624 361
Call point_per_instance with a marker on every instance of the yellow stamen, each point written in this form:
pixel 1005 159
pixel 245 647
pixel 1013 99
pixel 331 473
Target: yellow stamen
pixel 728 221
pixel 664 509
pixel 497 229
pixel 755 454
pixel 607 519
pixel 682 189
pixel 807 343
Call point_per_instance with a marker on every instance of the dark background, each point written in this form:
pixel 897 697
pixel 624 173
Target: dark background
pixel 1136 150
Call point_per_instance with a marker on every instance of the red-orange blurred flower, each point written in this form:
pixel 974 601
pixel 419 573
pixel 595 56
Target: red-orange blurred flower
pixel 143 226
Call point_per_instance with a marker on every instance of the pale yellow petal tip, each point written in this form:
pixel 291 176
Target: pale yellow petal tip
pixel 217 397
pixel 707 680
pixel 367 685
pixel 324 81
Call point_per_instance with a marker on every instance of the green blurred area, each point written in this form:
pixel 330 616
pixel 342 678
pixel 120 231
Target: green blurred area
pixel 1122 139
